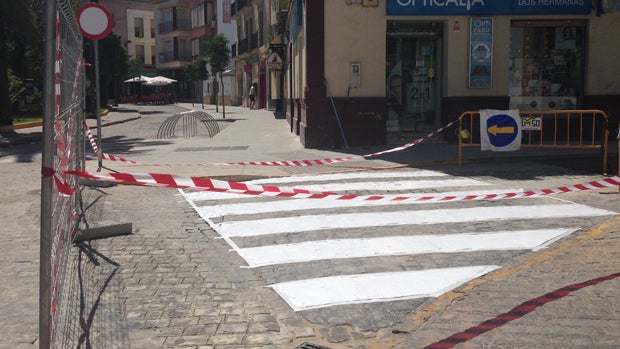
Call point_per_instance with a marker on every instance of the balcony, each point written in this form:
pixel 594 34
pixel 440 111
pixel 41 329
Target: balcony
pixel 243 46
pixel 254 41
pixel 170 56
pixel 170 26
pixel 238 5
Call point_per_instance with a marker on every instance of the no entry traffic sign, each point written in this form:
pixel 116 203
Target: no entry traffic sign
pixel 95 21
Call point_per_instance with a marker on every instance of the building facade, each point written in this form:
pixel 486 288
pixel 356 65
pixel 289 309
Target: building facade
pixel 217 20
pixel 259 50
pixel 183 30
pixel 361 70
pixel 140 41
pixel 173 41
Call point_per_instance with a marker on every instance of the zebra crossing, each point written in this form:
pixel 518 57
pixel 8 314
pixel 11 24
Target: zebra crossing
pixel 325 252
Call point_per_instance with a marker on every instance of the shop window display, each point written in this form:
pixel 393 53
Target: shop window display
pixel 546 65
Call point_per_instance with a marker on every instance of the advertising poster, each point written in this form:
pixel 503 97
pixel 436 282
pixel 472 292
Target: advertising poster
pixel 480 52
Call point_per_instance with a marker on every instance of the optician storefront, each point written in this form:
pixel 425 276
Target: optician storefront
pixel 444 57
pixel 522 54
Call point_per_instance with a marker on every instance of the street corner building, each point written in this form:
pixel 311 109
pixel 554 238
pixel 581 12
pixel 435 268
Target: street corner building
pixel 367 72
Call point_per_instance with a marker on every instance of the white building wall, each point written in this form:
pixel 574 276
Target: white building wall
pixel 147 41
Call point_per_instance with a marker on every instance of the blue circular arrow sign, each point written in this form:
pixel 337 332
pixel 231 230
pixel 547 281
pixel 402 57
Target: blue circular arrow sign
pixel 502 130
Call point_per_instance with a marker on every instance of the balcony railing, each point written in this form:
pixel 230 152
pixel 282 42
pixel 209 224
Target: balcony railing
pixel 170 56
pixel 254 41
pixel 243 46
pixel 169 26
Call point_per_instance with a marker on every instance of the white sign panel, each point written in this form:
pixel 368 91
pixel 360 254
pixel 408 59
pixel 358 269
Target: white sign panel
pixel 500 130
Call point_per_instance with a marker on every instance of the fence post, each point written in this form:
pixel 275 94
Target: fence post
pixel 45 245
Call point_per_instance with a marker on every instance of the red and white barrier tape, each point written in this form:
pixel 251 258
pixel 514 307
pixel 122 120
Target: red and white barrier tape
pixel 206 184
pixel 89 134
pixel 276 163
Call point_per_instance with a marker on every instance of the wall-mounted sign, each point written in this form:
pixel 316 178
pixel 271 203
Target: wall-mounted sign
pixel 274 61
pixel 247 68
pixel 486 7
pixel 480 52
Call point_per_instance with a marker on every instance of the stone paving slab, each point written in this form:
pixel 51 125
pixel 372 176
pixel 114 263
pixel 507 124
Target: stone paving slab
pixel 177 285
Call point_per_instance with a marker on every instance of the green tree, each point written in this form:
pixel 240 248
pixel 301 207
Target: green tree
pixel 203 74
pixel 218 55
pixel 191 75
pixel 134 66
pixel 113 65
pixel 19 35
pixel 16 87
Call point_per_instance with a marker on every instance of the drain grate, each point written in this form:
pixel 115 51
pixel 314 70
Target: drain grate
pixel 310 346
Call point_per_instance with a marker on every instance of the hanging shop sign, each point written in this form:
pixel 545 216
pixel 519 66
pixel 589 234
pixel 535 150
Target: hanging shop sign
pixel 486 7
pixel 274 61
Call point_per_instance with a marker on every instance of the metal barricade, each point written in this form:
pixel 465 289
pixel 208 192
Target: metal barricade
pixel 577 129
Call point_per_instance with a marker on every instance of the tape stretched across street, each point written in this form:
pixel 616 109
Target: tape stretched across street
pixel 206 184
pixel 315 162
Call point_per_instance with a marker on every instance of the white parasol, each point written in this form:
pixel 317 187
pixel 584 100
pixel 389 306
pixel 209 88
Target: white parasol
pixel 159 81
pixel 140 78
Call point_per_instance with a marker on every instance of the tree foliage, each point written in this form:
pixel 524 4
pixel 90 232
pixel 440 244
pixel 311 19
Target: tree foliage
pixel 16 87
pixel 218 56
pixel 113 64
pixel 192 75
pixel 191 72
pixel 218 53
pixel 134 66
pixel 203 72
pixel 21 47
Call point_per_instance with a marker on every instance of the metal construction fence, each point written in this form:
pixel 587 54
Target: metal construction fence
pixel 63 145
pixel 577 129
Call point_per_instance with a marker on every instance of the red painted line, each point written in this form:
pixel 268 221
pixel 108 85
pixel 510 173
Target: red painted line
pixel 515 313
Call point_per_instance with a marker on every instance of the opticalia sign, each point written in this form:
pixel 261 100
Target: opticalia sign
pixel 486 7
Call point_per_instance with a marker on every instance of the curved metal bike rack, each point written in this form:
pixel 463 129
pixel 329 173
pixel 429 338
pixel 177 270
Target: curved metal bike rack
pixel 189 122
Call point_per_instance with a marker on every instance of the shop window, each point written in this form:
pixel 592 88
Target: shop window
pixel 547 64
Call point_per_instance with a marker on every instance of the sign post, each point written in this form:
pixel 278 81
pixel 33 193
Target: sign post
pixel 95 23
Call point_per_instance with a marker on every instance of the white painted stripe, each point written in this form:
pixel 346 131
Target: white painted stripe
pixel 287 204
pixel 394 185
pixel 377 219
pixel 378 287
pixel 399 245
pixel 349 175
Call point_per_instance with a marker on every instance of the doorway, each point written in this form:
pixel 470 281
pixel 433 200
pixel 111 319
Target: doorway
pixel 413 59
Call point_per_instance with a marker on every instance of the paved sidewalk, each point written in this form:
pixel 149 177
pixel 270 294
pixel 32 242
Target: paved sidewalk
pixel 168 250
